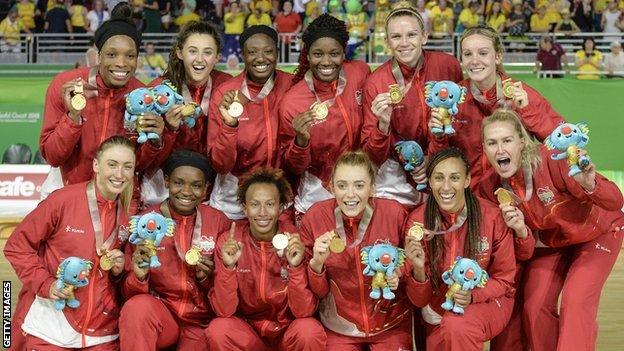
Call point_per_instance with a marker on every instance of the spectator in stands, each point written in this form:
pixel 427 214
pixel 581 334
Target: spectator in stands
pixel 187 13
pixel 151 17
pixel 610 21
pixel 517 21
pixel 614 61
pixel 152 64
pixel 10 29
pixel 553 10
pixel 26 11
pixel 265 6
pixel 581 11
pixel 469 17
pixel 78 16
pixel 540 23
pixel 496 18
pixel 566 25
pixel 234 20
pixel 442 20
pixel 259 18
pixel 549 56
pixel 599 7
pixel 97 16
pixel 57 19
pixel 287 22
pixel 589 60
pixel 165 7
pixel 425 14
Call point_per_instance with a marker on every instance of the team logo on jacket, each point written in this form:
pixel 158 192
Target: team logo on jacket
pixel 546 195
pixel 284 274
pixel 123 233
pixel 358 97
pixel 483 245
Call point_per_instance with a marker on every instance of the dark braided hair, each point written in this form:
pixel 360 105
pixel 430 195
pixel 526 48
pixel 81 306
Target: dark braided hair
pixel 271 176
pixel 175 72
pixel 433 217
pixel 323 26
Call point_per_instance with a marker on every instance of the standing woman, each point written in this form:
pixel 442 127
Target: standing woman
pixel 79 220
pixel 467 226
pixel 169 305
pixel 242 126
pixel 579 219
pixel 387 120
pixel 71 135
pixel 321 116
pixel 355 218
pixel 191 69
pixel 482 57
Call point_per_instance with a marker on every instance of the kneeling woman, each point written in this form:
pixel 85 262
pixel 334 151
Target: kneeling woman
pixel 351 317
pixel 578 219
pixel 260 291
pixel 180 310
pixel 468 226
pixel 80 220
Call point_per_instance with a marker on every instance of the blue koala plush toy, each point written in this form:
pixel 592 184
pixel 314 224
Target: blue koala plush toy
pixel 166 96
pixel 72 273
pixel 149 230
pixel 412 156
pixel 570 139
pixel 447 96
pixel 465 274
pixel 139 102
pixel 381 260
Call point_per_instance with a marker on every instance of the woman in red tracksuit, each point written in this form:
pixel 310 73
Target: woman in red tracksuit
pixel 462 225
pixel 579 221
pixel 482 56
pixel 79 220
pixel 191 70
pixel 351 318
pixel 70 137
pixel 385 122
pixel 260 293
pixel 169 304
pixel 238 145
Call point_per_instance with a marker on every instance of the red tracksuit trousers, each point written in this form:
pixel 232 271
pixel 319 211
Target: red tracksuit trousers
pixel 233 333
pixel 33 343
pixel 513 338
pixel 467 332
pixel 397 338
pixel 145 323
pixel 577 272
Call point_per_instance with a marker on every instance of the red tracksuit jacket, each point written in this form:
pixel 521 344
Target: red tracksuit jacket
pixel 190 138
pixel 72 146
pixel 495 254
pixel 342 285
pixel 411 115
pixel 253 143
pixel 174 281
pixel 560 209
pixel 538 117
pixel 263 289
pixel 58 228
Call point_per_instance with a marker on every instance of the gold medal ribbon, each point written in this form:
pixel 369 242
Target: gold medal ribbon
pixel 459 221
pixel 205 101
pixel 528 181
pixel 501 101
pixel 366 218
pixel 164 209
pixel 101 246
pixel 264 92
pixel 342 83
pixel 398 76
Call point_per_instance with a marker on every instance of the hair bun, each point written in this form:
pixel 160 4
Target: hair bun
pixel 122 11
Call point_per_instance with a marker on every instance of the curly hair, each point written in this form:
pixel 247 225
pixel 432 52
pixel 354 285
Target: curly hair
pixel 175 72
pixel 271 176
pixel 323 26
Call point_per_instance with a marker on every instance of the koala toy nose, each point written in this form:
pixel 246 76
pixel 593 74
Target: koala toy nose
pixel 386 259
pixel 566 130
pixel 151 225
pixel 470 273
pixel 443 93
pixel 162 99
pixel 148 99
pixel 82 275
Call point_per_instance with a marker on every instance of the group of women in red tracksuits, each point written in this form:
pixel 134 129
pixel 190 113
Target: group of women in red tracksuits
pixel 284 181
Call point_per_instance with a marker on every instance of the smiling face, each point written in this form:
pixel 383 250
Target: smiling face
pixel 448 181
pixel 187 189
pixel 262 208
pixel 405 39
pixel 199 55
pixel 326 56
pixel 114 170
pixel 503 147
pixel 352 186
pixel 480 59
pixel 118 61
pixel 260 57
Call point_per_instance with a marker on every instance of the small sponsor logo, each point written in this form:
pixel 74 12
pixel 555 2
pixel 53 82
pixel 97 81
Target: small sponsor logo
pixel 358 97
pixel 70 229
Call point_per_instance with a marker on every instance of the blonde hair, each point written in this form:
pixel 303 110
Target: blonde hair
pixel 126 194
pixel 489 33
pixel 530 154
pixel 357 158
pixel 405 8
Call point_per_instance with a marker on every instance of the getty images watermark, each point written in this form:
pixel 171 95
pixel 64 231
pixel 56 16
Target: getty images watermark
pixel 6 314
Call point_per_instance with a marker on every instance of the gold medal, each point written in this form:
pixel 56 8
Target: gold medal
pixel 193 256
pixel 416 231
pixel 320 110
pixel 508 88
pixel 189 109
pixel 106 263
pixel 396 94
pixel 236 108
pixel 78 101
pixel 280 241
pixel 503 196
pixel 337 245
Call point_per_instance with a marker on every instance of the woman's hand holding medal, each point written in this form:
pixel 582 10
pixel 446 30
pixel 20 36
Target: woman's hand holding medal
pixel 73 93
pixel 231 107
pixel 382 108
pixel 302 124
